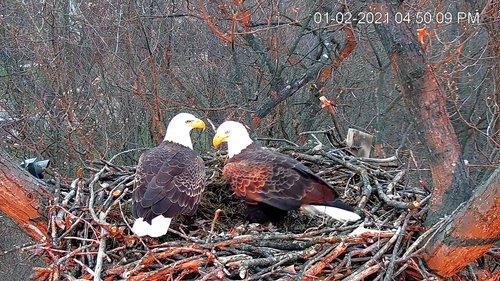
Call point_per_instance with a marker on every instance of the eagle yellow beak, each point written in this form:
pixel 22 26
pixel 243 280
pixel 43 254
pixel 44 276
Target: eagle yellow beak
pixel 219 138
pixel 198 124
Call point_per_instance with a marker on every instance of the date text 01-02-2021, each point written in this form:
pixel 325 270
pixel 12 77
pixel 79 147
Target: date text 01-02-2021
pixel 399 17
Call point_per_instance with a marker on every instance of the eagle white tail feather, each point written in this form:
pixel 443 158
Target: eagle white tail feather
pixel 158 227
pixel 335 213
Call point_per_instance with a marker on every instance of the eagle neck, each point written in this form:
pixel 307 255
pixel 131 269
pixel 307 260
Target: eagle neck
pixel 179 137
pixel 235 147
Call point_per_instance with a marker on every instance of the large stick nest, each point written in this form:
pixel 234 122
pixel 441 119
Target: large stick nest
pixel 90 235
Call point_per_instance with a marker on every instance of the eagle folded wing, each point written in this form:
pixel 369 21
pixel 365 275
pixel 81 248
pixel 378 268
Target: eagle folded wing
pixel 168 183
pixel 277 180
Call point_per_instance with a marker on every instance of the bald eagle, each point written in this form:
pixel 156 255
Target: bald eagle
pixel 169 179
pixel 273 183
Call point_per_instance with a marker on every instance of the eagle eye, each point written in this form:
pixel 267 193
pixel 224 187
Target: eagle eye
pixel 189 121
pixel 227 132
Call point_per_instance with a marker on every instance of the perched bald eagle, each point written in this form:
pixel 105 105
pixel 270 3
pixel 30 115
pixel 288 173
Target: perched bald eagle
pixel 169 179
pixel 273 183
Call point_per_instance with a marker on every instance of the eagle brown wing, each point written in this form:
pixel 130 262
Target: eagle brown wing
pixel 169 181
pixel 276 179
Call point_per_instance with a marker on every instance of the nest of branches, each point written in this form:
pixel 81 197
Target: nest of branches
pixel 91 238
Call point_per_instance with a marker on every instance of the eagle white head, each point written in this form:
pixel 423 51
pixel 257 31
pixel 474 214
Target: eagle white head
pixel 180 126
pixel 236 136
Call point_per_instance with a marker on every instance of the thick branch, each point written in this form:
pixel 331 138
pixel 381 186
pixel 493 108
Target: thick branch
pixel 470 234
pixel 23 198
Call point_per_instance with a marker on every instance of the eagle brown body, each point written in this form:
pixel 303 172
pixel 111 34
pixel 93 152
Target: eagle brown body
pixel 169 181
pixel 277 180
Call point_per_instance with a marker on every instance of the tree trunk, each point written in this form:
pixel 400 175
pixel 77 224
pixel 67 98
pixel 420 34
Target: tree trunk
pixel 472 231
pixel 23 198
pixel 427 104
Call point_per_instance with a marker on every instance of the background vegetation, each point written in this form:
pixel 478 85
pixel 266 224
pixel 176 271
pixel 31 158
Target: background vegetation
pixel 82 80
